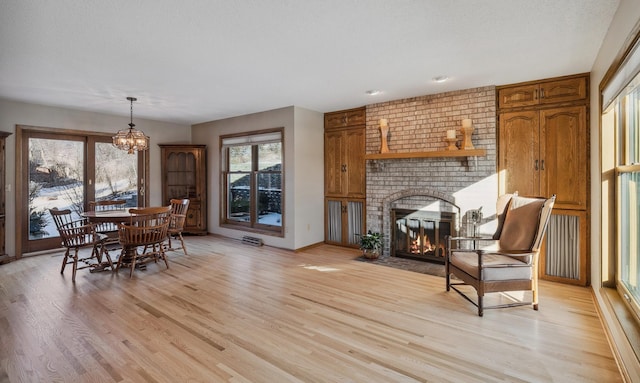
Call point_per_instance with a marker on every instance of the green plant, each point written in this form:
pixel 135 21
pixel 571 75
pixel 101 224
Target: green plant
pixel 371 241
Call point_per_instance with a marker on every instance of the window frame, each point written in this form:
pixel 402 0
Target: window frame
pixel 89 139
pixel 621 82
pixel 252 139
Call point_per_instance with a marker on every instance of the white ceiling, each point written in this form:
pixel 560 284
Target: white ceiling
pixel 193 61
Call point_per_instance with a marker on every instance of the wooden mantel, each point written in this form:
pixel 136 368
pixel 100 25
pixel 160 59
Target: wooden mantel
pixel 430 154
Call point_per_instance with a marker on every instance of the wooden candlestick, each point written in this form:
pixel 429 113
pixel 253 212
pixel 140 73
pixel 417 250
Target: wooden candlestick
pixel 466 138
pixel 384 131
pixel 452 143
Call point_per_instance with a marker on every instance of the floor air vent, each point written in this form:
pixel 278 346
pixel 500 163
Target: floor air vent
pixel 253 241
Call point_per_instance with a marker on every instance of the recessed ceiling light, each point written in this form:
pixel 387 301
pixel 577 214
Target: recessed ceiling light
pixel 373 92
pixel 440 79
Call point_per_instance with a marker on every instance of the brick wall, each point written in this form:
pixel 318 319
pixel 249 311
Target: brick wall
pixel 419 124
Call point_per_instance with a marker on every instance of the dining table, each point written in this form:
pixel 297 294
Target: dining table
pixel 111 216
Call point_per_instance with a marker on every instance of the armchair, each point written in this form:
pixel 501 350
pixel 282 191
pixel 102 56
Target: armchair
pixel 512 265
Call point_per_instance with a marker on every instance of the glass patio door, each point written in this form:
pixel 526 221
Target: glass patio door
pixel 67 171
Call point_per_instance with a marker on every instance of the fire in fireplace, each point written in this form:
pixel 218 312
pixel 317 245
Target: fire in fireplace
pixel 421 234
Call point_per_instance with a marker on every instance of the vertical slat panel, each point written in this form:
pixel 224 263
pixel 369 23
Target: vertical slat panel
pixel 563 247
pixel 334 221
pixel 354 224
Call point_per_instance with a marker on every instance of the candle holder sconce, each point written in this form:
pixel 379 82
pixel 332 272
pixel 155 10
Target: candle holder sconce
pixel 467 132
pixel 451 143
pixel 451 139
pixel 384 134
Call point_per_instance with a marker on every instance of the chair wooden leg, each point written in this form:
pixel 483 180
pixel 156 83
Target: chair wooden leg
pixel 184 248
pixel 480 313
pixel 64 261
pixel 75 265
pixel 164 257
pixel 534 293
pixel 120 258
pixel 133 265
pixel 106 253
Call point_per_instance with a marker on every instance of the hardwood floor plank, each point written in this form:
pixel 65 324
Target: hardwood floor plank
pixel 230 312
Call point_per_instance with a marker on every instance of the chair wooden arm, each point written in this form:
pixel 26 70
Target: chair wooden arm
pixel 78 233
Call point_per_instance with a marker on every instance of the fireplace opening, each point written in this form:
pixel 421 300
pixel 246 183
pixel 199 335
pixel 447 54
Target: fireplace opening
pixel 421 234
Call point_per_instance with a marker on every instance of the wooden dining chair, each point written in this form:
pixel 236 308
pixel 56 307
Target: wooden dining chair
pixel 179 209
pixel 77 234
pixel 110 229
pixel 147 229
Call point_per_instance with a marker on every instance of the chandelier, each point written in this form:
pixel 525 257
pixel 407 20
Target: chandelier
pixel 131 139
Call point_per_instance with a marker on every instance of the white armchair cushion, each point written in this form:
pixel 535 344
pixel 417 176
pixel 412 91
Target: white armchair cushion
pixel 496 267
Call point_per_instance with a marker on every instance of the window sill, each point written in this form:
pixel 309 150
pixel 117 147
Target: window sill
pixel 623 332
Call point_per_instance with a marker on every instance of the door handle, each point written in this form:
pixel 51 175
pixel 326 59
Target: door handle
pixel 542 165
pixel 536 165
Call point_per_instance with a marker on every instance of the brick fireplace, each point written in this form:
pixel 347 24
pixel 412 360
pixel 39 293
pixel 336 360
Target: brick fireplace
pixel 421 235
pixel 452 185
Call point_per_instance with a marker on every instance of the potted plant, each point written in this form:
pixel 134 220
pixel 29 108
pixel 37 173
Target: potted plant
pixel 371 245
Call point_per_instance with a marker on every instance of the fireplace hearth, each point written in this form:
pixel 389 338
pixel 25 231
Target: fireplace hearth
pixel 420 234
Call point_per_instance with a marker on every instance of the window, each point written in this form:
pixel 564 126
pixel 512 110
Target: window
pixel 66 170
pixel 621 178
pixel 627 106
pixel 252 177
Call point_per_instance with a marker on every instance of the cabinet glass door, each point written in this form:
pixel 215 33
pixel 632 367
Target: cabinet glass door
pixel 181 175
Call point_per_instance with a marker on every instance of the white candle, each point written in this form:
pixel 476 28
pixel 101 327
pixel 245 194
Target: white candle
pixel 383 122
pixel 466 123
pixel 451 133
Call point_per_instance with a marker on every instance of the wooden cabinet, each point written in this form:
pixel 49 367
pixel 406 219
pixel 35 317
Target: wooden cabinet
pixel 345 183
pixel 543 149
pixel 344 221
pixel 3 255
pixel 345 118
pixel 545 92
pixel 184 176
pixel 544 153
pixel 344 162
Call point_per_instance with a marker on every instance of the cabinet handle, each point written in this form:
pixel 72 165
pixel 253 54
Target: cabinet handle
pixel 541 93
pixel 536 165
pixel 344 168
pixel 542 165
pixel 535 94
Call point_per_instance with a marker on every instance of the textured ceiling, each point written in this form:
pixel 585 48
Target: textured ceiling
pixel 192 61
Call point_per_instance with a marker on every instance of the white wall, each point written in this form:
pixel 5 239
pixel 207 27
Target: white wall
pixel 309 177
pixel 18 113
pixel 303 172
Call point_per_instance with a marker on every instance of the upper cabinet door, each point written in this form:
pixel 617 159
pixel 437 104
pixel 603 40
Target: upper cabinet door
pixel 519 156
pixel 548 92
pixel 355 163
pixel 334 163
pixel 345 118
pixel 564 151
pixel 570 89
pixel 518 96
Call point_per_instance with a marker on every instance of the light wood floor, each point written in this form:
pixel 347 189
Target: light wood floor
pixel 230 312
